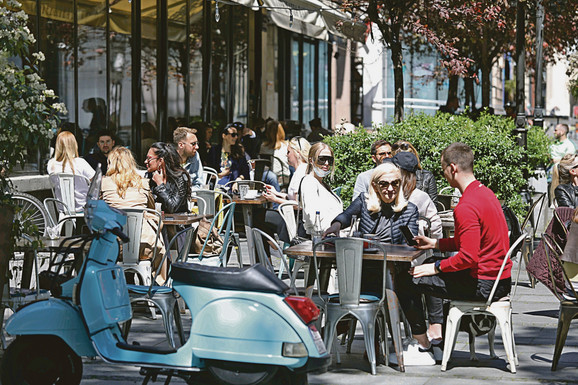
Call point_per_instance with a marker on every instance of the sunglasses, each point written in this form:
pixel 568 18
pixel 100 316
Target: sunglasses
pixel 384 184
pixel 400 146
pixel 233 134
pixel 298 140
pixel 321 160
pixel 148 159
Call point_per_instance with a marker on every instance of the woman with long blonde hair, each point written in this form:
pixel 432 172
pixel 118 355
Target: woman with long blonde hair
pixel 123 187
pixel 66 160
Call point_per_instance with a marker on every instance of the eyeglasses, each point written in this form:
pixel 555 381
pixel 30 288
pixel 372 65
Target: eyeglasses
pixel 321 160
pixel 233 134
pixel 148 159
pixel 384 184
pixel 400 146
pixel 194 144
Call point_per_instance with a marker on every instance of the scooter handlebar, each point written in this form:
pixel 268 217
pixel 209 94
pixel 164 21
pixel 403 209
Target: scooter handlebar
pixel 118 232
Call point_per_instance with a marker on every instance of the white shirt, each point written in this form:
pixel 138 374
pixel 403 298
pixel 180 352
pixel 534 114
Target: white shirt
pixel 81 167
pixel 316 197
pixel 298 175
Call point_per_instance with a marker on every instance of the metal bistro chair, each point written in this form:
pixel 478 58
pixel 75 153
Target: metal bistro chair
pixel 211 177
pixel 211 201
pixel 131 262
pixel 501 309
pixel 366 308
pixel 163 296
pixel 568 301
pixel 287 212
pixel 224 230
pixel 64 186
pixel 261 165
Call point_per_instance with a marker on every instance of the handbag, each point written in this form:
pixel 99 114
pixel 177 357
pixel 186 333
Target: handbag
pixel 214 243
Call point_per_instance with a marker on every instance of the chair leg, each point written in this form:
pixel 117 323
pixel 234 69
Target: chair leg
pixel 238 249
pixel 369 337
pixel 179 323
pixel 351 334
pixel 506 329
pixel 393 309
pixel 452 327
pixel 564 320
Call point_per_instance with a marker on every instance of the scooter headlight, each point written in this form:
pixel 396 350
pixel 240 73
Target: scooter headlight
pixel 294 349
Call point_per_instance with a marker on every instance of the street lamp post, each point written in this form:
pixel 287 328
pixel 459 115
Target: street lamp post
pixel 539 108
pixel 520 131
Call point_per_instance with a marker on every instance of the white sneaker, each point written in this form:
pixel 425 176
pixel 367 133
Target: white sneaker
pixel 414 356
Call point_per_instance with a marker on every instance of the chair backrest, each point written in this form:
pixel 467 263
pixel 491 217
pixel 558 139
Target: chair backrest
pixel 207 201
pixel 349 261
pixel 133 228
pixel 555 265
pixel 210 177
pixel 227 212
pixel 64 186
pixel 530 215
pixel 260 166
pixel 287 211
pixel 337 191
pixel 514 248
pixel 425 225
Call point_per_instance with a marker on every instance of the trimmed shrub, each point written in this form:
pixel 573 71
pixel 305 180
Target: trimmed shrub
pixel 499 161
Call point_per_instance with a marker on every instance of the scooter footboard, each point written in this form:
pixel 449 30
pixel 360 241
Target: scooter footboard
pixel 54 317
pixel 233 329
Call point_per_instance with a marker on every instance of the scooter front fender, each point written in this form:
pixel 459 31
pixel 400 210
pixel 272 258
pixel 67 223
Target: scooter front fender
pixel 54 317
pixel 243 330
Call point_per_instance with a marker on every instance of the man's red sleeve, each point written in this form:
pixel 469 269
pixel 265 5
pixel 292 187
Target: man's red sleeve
pixel 466 240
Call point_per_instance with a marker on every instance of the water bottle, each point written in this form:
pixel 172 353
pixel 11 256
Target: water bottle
pixel 317 229
pixel 353 231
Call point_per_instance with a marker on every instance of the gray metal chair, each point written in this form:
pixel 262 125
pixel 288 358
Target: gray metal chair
pixel 261 165
pixel 131 262
pixel 501 309
pixel 287 212
pixel 368 309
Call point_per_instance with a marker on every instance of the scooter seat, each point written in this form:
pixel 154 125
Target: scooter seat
pixel 253 278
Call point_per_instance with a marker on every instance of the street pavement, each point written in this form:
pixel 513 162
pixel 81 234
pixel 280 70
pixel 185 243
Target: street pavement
pixel 535 317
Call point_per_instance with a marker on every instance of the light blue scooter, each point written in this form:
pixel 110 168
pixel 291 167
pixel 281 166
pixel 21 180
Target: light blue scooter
pixel 245 328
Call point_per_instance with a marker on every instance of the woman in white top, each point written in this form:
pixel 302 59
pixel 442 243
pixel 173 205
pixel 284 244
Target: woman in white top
pixel 66 160
pixel 276 145
pixel 316 195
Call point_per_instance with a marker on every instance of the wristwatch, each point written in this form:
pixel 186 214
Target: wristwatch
pixel 437 266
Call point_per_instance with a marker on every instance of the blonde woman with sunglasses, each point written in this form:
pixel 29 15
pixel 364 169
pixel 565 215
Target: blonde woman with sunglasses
pixel 316 195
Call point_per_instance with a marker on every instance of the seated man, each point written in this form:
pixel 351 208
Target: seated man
pixel 481 238
pixel 380 150
pixel 105 143
pixel 187 145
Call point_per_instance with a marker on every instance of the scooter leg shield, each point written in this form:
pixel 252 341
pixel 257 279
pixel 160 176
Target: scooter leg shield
pixel 52 317
pixel 243 330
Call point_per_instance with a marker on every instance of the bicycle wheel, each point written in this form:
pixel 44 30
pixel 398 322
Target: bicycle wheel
pixel 31 209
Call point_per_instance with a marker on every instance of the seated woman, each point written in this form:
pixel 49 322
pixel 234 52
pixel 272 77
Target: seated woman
pixel 275 144
pixel 170 183
pixel 228 157
pixel 316 195
pixel 566 192
pixel 122 187
pixel 66 160
pixel 426 180
pixel 381 212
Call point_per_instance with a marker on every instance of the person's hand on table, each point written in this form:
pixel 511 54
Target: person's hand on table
pixel 424 243
pixel 424 270
pixel 333 229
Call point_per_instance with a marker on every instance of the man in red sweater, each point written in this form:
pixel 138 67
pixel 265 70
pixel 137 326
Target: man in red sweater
pixel 481 238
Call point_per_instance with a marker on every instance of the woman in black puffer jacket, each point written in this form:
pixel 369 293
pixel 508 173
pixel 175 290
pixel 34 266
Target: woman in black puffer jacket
pixel 566 192
pixel 425 179
pixel 381 212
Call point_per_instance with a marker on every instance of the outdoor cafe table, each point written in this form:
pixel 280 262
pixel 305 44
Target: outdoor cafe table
pixel 184 219
pixel 394 254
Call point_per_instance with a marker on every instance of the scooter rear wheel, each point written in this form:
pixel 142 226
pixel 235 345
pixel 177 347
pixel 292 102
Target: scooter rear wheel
pixel 40 360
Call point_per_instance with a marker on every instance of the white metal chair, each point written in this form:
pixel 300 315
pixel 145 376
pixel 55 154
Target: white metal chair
pixel 60 216
pixel 501 309
pixel 287 212
pixel 368 309
pixel 210 177
pixel 68 189
pixel 14 295
pixel 131 262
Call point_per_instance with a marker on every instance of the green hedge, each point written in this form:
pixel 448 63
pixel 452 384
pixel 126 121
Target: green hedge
pixel 499 161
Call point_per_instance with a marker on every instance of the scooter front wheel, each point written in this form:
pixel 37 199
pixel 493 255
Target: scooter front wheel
pixel 240 373
pixel 40 360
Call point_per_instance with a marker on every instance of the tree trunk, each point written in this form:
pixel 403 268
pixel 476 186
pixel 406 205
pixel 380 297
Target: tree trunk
pixel 486 79
pixel 470 96
pixel 453 88
pixel 397 61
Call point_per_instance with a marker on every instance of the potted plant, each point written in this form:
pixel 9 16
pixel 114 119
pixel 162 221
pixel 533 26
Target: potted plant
pixel 28 114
